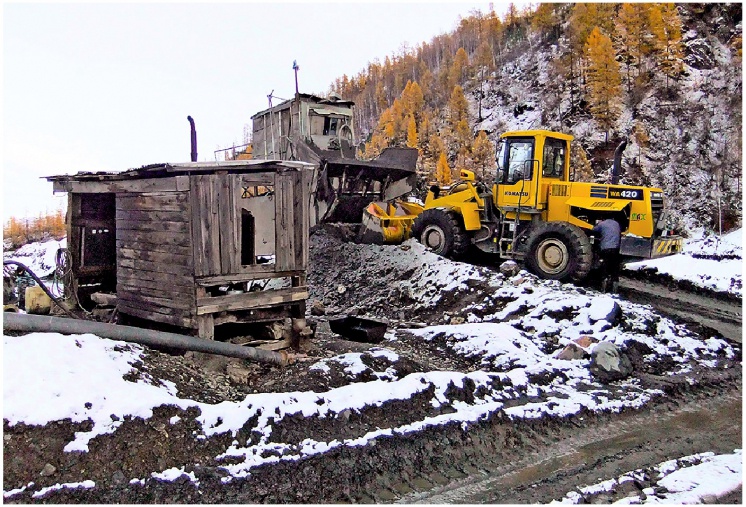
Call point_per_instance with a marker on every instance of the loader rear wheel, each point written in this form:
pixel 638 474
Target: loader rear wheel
pixel 441 231
pixel 559 251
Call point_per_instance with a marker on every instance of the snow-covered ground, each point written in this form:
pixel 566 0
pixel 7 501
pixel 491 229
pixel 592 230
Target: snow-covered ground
pixel 711 262
pixel 699 478
pixel 49 377
pixel 38 257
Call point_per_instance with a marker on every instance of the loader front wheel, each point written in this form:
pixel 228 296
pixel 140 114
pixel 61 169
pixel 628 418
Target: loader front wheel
pixel 559 251
pixel 441 231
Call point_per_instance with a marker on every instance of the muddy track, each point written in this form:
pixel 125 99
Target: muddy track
pixel 723 315
pixel 602 451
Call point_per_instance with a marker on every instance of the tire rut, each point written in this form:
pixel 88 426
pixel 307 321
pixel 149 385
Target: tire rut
pixel 706 422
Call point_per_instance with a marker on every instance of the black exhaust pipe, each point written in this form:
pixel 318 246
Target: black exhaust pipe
pixel 194 138
pixel 617 167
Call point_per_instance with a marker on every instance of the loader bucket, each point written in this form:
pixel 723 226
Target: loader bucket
pixel 388 223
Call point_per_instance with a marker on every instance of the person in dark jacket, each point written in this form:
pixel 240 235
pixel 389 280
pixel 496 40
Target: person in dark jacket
pixel 610 233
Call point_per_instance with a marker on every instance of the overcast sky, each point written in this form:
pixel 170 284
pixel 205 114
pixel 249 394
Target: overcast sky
pixel 108 87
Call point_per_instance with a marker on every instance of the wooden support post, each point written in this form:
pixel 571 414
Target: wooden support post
pixel 206 326
pixel 206 322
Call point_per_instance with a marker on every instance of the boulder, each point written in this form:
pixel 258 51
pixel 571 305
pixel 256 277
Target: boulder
pixel 608 363
pixel 510 268
pixel 572 352
pixel 585 341
pixel 605 308
pixel 317 308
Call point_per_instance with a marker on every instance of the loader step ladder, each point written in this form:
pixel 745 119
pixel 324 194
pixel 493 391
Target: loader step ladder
pixel 509 231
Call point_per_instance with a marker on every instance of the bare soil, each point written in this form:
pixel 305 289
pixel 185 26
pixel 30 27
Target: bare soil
pixel 497 460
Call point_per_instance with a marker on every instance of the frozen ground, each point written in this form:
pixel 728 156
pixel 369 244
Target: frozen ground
pixel 699 478
pixel 492 354
pixel 707 261
pixel 38 257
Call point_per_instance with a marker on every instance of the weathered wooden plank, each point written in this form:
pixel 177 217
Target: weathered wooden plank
pixel 213 223
pixel 157 290
pixel 206 327
pixel 300 219
pixel 173 303
pixel 198 248
pixel 225 220
pixel 283 224
pixel 156 267
pixel 152 216
pixel 162 201
pixel 170 238
pixel 250 300
pixel 156 285
pixel 155 226
pixel 170 184
pixel 206 226
pixel 155 247
pixel 176 320
pixel 151 256
pixel 259 272
pixel 165 278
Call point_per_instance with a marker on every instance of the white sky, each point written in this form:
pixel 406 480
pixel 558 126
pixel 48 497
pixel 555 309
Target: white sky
pixel 108 87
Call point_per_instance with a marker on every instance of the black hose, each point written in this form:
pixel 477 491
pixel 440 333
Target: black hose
pixel 43 287
pixel 47 324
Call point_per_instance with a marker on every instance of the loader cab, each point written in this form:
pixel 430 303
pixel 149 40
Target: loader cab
pixel 528 163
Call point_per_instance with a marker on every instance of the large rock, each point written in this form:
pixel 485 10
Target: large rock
pixel 605 308
pixel 608 363
pixel 510 268
pixel 577 349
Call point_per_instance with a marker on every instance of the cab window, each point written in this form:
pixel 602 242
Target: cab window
pixel 514 160
pixel 555 152
pixel 330 126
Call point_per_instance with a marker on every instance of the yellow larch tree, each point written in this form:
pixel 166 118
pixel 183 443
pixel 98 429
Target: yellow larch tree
pixel 482 153
pixel 443 171
pixel 604 80
pixel 412 141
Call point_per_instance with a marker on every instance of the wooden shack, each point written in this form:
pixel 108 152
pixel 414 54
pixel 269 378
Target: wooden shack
pixel 194 245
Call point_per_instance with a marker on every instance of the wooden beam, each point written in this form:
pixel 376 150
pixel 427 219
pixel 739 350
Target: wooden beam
pixel 260 272
pixel 249 300
pixel 171 184
pixel 176 320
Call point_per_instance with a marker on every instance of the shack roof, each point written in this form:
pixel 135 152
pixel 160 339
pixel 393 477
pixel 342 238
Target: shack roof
pixel 165 170
pixel 305 97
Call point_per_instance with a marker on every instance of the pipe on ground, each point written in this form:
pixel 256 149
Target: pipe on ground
pixel 47 324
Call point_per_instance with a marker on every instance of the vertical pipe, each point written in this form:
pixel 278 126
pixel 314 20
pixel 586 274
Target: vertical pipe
pixel 194 138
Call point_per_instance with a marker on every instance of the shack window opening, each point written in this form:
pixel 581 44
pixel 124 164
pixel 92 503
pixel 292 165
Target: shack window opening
pixel 248 229
pixel 249 191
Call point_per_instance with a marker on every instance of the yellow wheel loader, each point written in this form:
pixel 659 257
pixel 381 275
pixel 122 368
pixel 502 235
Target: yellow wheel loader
pixel 534 212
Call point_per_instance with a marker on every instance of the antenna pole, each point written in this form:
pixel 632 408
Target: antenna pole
pixel 296 69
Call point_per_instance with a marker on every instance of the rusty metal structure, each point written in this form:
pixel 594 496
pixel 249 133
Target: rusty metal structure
pixel 320 131
pixel 194 245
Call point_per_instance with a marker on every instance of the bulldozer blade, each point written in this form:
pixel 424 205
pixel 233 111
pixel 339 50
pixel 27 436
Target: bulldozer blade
pixel 388 223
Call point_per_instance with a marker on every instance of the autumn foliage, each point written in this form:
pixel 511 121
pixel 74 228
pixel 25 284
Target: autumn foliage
pixel 19 231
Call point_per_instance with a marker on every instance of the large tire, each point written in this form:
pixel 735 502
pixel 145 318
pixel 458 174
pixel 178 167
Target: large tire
pixel 441 231
pixel 559 251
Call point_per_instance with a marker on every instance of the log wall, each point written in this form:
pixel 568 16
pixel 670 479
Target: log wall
pixel 155 268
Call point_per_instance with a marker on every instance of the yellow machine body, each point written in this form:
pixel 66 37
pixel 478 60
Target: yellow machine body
pixel 533 186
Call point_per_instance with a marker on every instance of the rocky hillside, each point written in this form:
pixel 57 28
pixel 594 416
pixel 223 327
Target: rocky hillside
pixel 677 102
